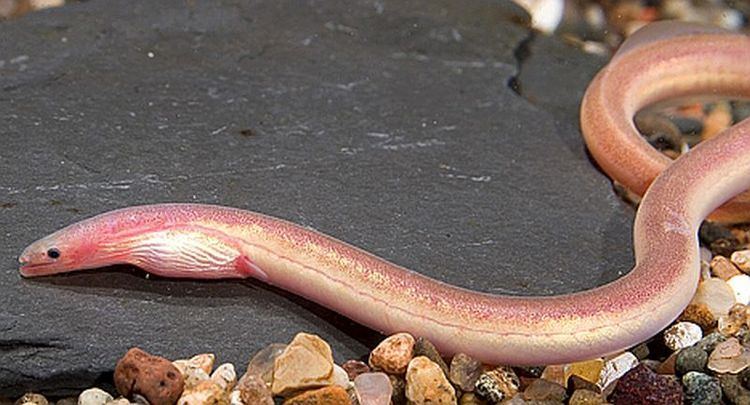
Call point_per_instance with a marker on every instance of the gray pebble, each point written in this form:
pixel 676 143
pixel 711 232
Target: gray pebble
pixel 692 358
pixel 701 389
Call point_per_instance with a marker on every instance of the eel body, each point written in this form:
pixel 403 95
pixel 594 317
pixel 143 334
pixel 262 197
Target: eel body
pixel 208 242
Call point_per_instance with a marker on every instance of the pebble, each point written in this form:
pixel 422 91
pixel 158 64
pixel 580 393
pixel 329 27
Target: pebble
pixel 701 389
pixel 331 395
pixel 203 361
pixel 423 347
pixel 682 335
pixel 693 358
pixel 32 398
pixel 557 374
pixel 642 386
pixel 354 368
pixel 225 376
pixel 262 362
pixel 94 396
pixel 497 384
pixel 734 392
pixel 393 354
pixel 723 268
pixel 700 315
pixel 427 384
pixel 464 371
pixel 711 340
pixel 589 370
pixel 543 390
pixel 586 397
pixel 116 401
pixel 307 362
pixel 717 295
pixel 235 398
pixel 615 368
pixel 399 388
pixel 731 323
pixel 741 286
pixel 253 390
pixel 205 393
pixel 373 389
pixel 152 377
pixel 729 357
pixel 340 377
pixel 471 398
pixel 741 259
pixel 668 366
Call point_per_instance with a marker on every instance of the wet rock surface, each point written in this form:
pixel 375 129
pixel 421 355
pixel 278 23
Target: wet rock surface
pixel 388 125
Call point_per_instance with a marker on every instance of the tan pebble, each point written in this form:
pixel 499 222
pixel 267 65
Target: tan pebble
pixel 615 368
pixel 153 377
pixel 729 357
pixel 732 323
pixel 741 259
pixel 332 395
pixel 682 335
pixel 253 390
pixel 700 315
pixel 588 370
pixel 118 401
pixel 723 268
pixel 263 361
pixel 94 396
pixel 471 398
pixel 427 384
pixel 194 376
pixel 393 354
pixel 205 393
pixel 586 397
pixel 717 295
pixel 558 374
pixel 225 376
pixel 307 362
pixel 32 398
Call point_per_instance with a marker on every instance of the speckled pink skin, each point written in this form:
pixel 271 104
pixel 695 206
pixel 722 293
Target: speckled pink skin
pixel 665 61
pixel 200 241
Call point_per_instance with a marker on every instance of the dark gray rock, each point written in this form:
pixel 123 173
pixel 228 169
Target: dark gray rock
pixel 390 125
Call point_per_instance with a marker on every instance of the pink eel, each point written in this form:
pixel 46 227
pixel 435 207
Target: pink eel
pixel 660 62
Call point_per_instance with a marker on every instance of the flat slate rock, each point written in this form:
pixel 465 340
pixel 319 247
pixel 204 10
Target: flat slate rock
pixel 390 125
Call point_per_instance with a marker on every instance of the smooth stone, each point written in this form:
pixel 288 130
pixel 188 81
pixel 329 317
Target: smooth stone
pixel 307 362
pixel 615 368
pixel 465 371
pixel 332 395
pixel 427 384
pixel 682 335
pixel 497 384
pixel 225 376
pixel 423 347
pixel 94 396
pixel 354 368
pixel 32 398
pixel 543 390
pixel 589 370
pixel 253 390
pixel 203 361
pixel 729 357
pixel 723 268
pixel 262 362
pixel 693 358
pixel 373 389
pixel 206 392
pixel 733 390
pixel 716 294
pixel 393 354
pixel 741 259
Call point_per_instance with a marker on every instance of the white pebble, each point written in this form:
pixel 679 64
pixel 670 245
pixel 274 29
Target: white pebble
pixel 94 396
pixel 741 286
pixel 682 335
pixel 616 368
pixel 225 376
pixel 340 377
pixel 741 259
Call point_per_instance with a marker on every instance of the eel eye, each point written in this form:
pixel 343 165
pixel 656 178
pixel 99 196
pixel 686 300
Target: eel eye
pixel 53 253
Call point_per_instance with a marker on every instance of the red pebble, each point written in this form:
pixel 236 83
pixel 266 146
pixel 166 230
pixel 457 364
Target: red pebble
pixel 152 377
pixel 643 386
